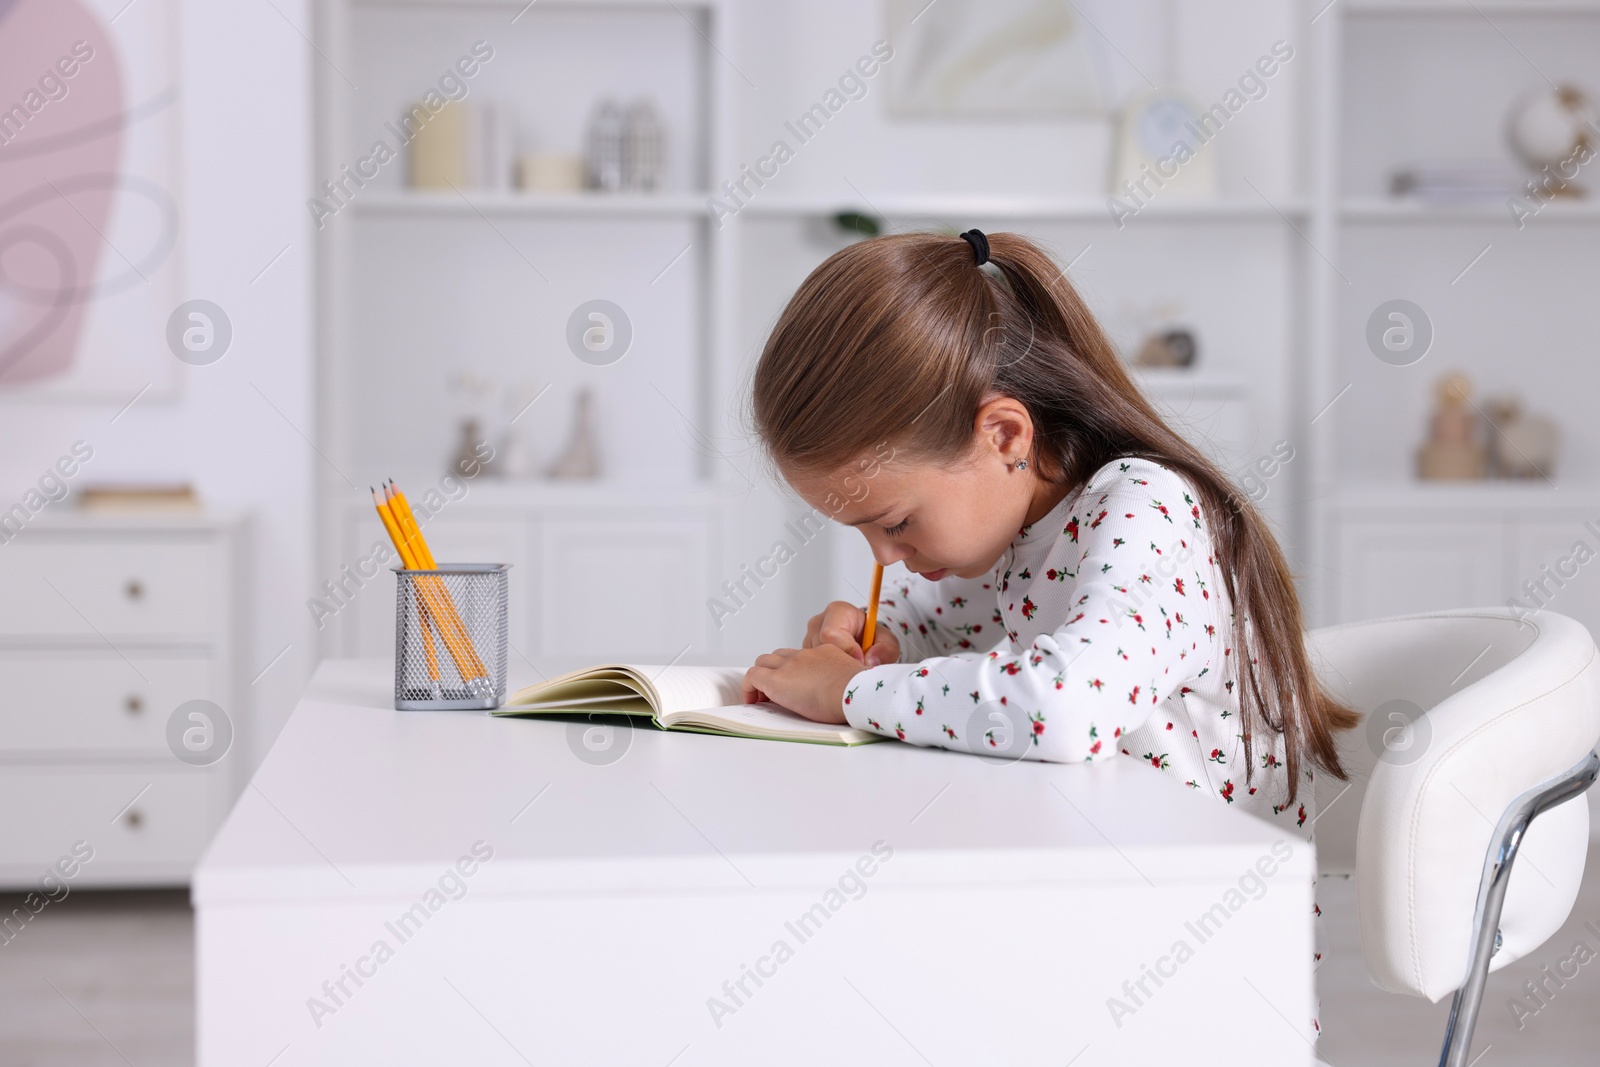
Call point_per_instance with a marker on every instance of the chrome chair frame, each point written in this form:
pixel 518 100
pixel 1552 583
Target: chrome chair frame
pixel 1491 897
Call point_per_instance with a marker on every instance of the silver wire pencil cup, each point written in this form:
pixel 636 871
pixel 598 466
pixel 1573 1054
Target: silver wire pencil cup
pixel 450 637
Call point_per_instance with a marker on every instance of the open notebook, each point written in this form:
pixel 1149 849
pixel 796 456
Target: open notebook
pixel 703 699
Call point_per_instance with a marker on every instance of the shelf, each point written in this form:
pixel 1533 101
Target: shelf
pixel 1384 496
pixel 1041 208
pixel 1166 384
pixel 582 205
pixel 541 5
pixel 1483 212
pixel 1480 9
pixel 696 205
pixel 488 493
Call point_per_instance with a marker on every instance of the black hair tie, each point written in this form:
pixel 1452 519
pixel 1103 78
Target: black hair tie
pixel 980 245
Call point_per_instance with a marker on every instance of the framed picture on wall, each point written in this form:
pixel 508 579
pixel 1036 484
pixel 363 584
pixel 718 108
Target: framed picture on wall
pixel 998 58
pixel 90 199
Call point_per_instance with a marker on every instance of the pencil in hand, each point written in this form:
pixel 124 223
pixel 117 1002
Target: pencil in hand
pixel 870 630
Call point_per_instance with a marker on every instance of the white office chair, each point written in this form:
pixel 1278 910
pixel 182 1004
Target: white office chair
pixel 1475 723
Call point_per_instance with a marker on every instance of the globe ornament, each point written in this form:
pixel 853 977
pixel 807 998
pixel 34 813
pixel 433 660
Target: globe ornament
pixel 1554 131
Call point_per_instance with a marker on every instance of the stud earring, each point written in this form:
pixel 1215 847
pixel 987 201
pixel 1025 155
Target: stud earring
pixel 1021 465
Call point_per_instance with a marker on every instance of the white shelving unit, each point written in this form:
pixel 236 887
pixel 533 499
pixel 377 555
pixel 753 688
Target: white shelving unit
pixel 1507 304
pixel 1278 284
pixel 412 279
pixel 420 284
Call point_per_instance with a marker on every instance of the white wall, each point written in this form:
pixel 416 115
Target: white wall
pixel 246 118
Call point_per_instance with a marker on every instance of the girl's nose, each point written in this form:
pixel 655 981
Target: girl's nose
pixel 888 552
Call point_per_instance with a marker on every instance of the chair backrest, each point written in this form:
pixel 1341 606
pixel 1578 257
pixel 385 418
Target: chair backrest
pixel 1463 712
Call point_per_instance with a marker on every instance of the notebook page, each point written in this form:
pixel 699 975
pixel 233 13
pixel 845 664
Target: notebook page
pixel 766 719
pixel 602 688
pixel 692 688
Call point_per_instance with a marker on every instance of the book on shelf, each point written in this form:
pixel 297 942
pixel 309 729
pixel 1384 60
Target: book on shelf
pixel 1444 182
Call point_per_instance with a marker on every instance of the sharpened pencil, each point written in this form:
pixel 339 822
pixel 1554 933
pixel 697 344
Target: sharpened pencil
pixel 434 603
pixel 870 630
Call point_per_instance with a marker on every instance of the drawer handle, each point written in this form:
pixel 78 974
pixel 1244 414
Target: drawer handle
pixel 134 589
pixel 135 818
pixel 133 704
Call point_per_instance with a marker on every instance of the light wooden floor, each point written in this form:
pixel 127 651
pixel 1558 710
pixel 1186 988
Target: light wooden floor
pixel 1362 1026
pixel 108 979
pixel 100 978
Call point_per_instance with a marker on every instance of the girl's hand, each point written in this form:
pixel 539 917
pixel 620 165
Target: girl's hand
pixel 841 625
pixel 809 681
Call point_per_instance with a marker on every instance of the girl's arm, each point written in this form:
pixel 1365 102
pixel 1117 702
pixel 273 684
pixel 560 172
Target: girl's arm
pixel 940 618
pixel 1140 619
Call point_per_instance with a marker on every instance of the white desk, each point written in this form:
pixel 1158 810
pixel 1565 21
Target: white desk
pixel 1018 899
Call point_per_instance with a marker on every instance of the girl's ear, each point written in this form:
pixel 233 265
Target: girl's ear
pixel 1004 427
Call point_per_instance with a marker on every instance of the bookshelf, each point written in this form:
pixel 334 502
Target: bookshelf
pixel 1276 275
pixel 1395 83
pixel 421 287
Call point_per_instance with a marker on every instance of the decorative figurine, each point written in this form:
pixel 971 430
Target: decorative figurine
pixel 1454 449
pixel 1169 348
pixel 643 165
pixel 581 458
pixel 1524 445
pixel 606 138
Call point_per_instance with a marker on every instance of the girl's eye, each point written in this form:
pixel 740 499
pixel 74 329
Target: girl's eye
pixel 898 528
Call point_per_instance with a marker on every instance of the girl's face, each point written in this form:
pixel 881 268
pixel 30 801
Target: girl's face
pixel 941 520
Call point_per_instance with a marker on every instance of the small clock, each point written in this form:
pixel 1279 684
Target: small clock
pixel 1162 149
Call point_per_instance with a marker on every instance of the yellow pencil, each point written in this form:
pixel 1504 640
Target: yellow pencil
pixel 870 630
pixel 408 524
pixel 445 615
pixel 430 605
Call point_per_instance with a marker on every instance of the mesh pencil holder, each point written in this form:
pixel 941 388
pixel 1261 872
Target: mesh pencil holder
pixel 450 637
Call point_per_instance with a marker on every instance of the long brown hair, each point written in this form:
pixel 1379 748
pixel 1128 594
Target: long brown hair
pixel 900 338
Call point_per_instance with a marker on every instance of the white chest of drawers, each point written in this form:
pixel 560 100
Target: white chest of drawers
pixel 107 625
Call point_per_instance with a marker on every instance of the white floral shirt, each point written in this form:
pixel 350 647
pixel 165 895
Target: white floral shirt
pixel 1104 632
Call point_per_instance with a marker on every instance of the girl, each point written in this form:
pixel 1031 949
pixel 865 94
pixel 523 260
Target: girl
pixel 1084 584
